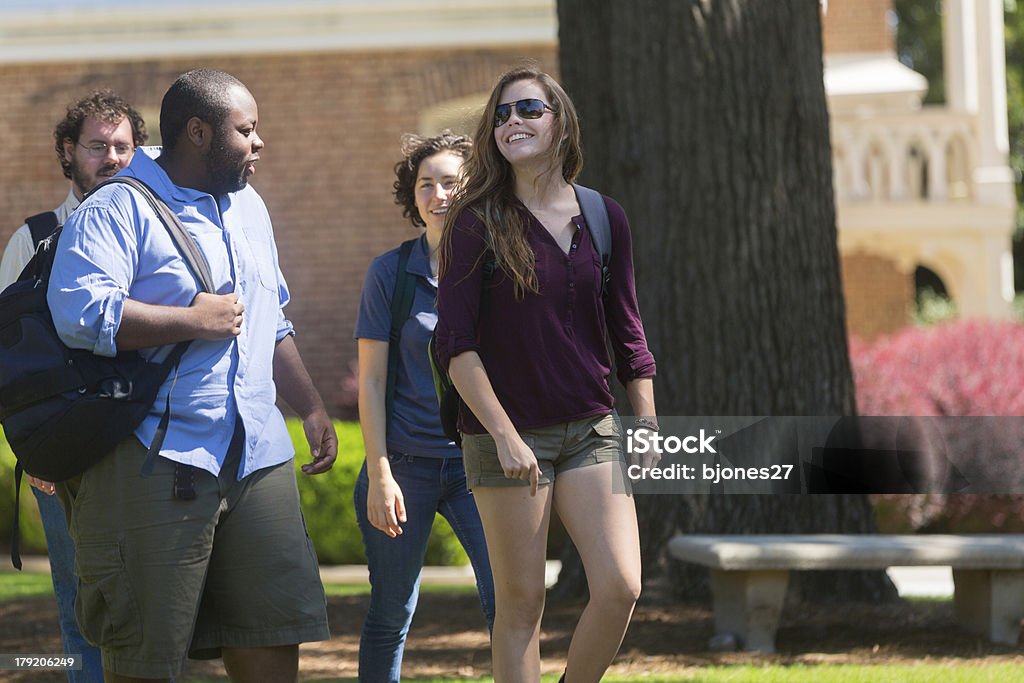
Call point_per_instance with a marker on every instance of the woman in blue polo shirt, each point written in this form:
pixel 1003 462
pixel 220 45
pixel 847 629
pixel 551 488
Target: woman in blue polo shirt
pixel 412 470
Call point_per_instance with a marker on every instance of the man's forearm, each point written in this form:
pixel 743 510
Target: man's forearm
pixel 143 325
pixel 211 317
pixel 293 382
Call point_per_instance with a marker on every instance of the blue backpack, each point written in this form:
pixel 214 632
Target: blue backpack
pixel 63 409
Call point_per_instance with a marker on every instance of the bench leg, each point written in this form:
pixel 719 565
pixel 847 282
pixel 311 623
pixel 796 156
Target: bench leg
pixel 990 602
pixel 748 605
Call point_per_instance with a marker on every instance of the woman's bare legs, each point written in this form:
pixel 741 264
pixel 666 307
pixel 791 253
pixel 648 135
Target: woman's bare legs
pixel 516 528
pixel 603 527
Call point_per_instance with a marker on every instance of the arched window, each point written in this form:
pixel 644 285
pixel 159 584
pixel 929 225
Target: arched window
pixel 932 301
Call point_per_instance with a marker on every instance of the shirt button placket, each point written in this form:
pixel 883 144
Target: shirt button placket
pixel 571 271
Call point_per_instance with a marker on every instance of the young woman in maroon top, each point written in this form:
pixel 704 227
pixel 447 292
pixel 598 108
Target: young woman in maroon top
pixel 526 349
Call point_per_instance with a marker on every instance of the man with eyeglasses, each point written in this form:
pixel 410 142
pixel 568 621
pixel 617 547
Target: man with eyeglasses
pixel 95 139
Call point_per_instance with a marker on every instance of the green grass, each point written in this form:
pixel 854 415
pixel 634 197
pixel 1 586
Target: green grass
pixel 797 673
pixel 926 599
pixel 15 585
pixel 343 589
pixel 836 673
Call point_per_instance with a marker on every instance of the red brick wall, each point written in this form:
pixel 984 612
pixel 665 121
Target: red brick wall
pixel 858 26
pixel 331 123
pixel 879 298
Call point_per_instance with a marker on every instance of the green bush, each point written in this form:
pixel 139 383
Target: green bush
pixel 326 504
pixel 330 514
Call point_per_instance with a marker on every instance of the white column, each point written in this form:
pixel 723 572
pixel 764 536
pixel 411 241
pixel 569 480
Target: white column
pixel 896 149
pixel 993 178
pixel 938 188
pixel 960 54
pixel 856 158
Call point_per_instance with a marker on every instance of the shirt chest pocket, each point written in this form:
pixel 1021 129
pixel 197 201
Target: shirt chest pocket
pixel 256 263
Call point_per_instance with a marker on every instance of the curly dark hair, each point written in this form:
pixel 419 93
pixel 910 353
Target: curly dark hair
pixel 416 148
pixel 106 105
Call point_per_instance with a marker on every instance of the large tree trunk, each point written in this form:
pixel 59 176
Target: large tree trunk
pixel 708 122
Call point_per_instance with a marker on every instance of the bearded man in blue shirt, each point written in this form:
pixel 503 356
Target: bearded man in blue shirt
pixel 207 555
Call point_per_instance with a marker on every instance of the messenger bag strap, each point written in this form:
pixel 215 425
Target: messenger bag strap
pixel 196 260
pixel 182 238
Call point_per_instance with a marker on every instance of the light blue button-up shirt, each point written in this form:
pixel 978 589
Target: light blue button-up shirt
pixel 115 247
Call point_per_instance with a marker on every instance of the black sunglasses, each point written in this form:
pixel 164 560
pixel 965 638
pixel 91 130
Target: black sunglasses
pixel 531 108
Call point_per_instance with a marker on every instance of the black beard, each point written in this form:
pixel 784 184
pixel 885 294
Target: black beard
pixel 225 176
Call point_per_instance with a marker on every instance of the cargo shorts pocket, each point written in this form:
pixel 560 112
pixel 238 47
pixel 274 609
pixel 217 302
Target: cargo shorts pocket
pixel 604 441
pixel 106 609
pixel 607 426
pixel 480 458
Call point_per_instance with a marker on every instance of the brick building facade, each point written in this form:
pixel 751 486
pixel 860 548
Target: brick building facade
pixel 331 123
pixel 338 83
pixel 857 26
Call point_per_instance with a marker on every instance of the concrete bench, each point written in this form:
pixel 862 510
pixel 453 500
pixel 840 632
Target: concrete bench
pixel 749 575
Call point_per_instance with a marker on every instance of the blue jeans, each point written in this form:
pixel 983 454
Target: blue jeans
pixel 429 485
pixel 65 587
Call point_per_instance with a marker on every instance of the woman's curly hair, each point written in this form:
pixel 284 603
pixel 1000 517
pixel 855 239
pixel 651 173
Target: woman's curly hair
pixel 416 148
pixel 106 106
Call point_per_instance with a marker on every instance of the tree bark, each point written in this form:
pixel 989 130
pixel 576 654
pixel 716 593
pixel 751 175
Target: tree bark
pixel 707 121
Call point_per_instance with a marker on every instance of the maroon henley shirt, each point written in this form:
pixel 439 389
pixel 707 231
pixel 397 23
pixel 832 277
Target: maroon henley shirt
pixel 546 355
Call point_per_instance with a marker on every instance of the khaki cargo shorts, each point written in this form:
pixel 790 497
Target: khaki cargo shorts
pixel 161 578
pixel 558 448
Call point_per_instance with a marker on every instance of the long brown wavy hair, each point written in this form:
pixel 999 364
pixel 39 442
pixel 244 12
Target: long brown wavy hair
pixel 488 182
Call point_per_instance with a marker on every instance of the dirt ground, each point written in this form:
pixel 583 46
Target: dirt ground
pixel 448 638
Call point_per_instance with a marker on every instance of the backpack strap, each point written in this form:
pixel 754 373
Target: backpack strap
pixel 196 261
pixel 595 214
pixel 190 251
pixel 16 533
pixel 41 226
pixel 401 306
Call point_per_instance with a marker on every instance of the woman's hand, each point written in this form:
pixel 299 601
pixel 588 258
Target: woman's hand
pixel 385 505
pixel 518 461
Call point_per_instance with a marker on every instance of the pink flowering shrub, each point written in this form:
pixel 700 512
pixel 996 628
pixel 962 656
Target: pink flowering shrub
pixel 962 368
pixel 959 368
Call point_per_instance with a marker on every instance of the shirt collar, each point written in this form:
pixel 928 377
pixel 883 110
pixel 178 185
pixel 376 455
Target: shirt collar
pixel 69 205
pixel 144 167
pixel 419 260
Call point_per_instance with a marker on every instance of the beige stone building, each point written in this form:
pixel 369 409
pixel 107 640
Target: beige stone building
pixel 338 81
pixel 920 186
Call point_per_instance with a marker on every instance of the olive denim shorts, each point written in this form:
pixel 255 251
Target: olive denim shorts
pixel 558 448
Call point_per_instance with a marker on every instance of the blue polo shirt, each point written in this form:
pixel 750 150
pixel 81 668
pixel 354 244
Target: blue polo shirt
pixel 114 247
pixel 415 427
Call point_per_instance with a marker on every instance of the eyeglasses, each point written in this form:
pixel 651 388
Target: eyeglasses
pixel 98 150
pixel 531 108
